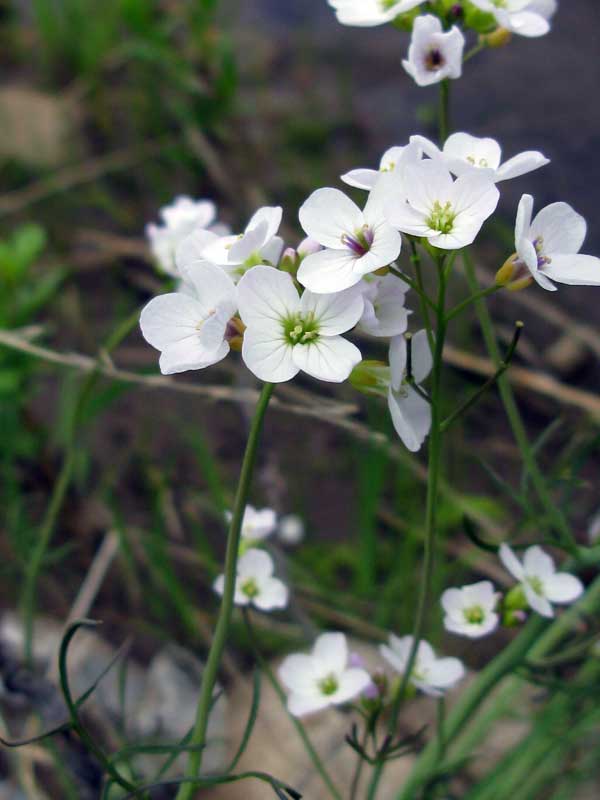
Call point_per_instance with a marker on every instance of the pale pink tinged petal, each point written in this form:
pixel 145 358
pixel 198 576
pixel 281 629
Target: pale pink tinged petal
pixel 411 417
pixel 272 251
pixel 454 46
pixel 563 588
pixel 537 562
pixel 422 359
pixel 265 293
pixel 300 705
pixel 452 601
pixel 328 271
pixel 562 229
pixel 526 23
pixel 351 683
pixel 255 563
pixel 361 178
pixel 511 562
pixel 170 318
pixel 269 215
pixel 331 651
pixel 521 165
pixel 397 358
pixel 475 193
pixel 249 244
pixel 483 152
pixel 219 584
pixel 274 594
pixel 327 215
pixel 189 354
pixel 424 28
pixel 427 146
pixel 335 313
pixel 268 355
pixel 297 673
pixel 574 270
pixel 523 222
pixel 330 358
pixel 540 604
pixel 444 673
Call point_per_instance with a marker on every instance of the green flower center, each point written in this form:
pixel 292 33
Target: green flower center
pixel 329 685
pixel 442 217
pixel 474 615
pixel 300 330
pixel 537 585
pixel 250 588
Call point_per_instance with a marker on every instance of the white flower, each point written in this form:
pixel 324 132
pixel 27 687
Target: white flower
pixel 448 213
pixel 411 413
pixel 257 523
pixel 384 313
pixel 525 17
pixel 255 584
pixel 291 529
pixel 392 162
pixel 549 246
pixel 322 678
pixel 258 244
pixel 180 218
pixel 369 13
pixel 430 674
pixel 287 333
pixel 471 610
pixel 356 242
pixel 463 153
pixel 434 55
pixel 189 327
pixel 541 583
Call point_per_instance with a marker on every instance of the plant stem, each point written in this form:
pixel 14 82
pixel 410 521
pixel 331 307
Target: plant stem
pixel 209 676
pixel 360 763
pixel 433 480
pixel 444 114
pixel 514 416
pixel 312 753
pixel 454 312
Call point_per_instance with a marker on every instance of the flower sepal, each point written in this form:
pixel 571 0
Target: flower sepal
pixel 478 20
pixel 514 606
pixel 404 22
pixel 514 275
pixel 498 38
pixel 371 378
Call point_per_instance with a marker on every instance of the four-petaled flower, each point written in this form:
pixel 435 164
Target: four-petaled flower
pixel 434 55
pixel 471 610
pixel 430 674
pixel 287 333
pixel 540 581
pixel 255 584
pixel 257 523
pixel 448 213
pixel 463 153
pixel 189 327
pixel 410 412
pixel 322 678
pixel 385 313
pixel 525 17
pixel 548 248
pixel 369 13
pixel 356 242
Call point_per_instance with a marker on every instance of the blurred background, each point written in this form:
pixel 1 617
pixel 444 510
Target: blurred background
pixel 106 114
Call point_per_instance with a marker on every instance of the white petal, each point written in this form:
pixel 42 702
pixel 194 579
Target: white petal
pixel 329 271
pixel 170 318
pixel 351 683
pixel 452 601
pixel 272 251
pixel 563 588
pixel 476 193
pixel 473 150
pixel 385 249
pixel 511 562
pixel 327 215
pixel 422 358
pixel 268 355
pixel 398 356
pixel 297 673
pixel 427 146
pixel 329 358
pixel 521 165
pixel 219 584
pixel 523 223
pixel 482 593
pixel 444 673
pixel 335 313
pixel 574 270
pixel 539 603
pixel 273 594
pixel 405 218
pixel 331 652
pixel 192 249
pixel 562 229
pixel 299 705
pixel 428 182
pixel 265 293
pixel 537 562
pixel 361 178
pixel 255 563
pixel 189 354
pixel 271 215
pixel 213 287
pixel 411 417
pixel 249 244
pixel 529 24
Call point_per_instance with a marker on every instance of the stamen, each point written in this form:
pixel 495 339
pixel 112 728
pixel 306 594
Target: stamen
pixel 360 243
pixel 434 60
pixel 442 217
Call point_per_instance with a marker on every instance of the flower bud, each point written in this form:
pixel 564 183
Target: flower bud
pixel 308 246
pixel 513 607
pixel 513 274
pixel 498 38
pixel 371 377
pixel 234 334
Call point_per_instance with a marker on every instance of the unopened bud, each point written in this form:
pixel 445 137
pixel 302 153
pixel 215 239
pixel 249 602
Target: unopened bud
pixel 456 11
pixel 371 377
pixel 234 333
pixel 498 38
pixel 513 274
pixel 308 246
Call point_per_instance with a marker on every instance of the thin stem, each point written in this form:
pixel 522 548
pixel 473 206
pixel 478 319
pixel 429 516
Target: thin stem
pixel 466 303
pixel 360 763
pixel 514 416
pixel 475 397
pixel 444 114
pixel 424 300
pixel 209 676
pixel 61 486
pixel 416 287
pixel 440 721
pixel 481 45
pixel 312 753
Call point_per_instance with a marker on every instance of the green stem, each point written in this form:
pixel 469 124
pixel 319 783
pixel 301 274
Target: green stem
pixel 514 416
pixel 360 763
pixel 61 486
pixel 458 309
pixel 444 117
pixel 433 480
pixel 211 669
pixel 422 294
pixel 312 753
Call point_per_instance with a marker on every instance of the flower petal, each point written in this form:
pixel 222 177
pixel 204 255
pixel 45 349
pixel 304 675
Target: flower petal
pixel 265 293
pixel 560 227
pixel 422 358
pixel 331 652
pixel 329 271
pixel 523 223
pixel 538 563
pixel 335 313
pixel 361 178
pixel 351 683
pixel 411 417
pixel 170 318
pixel 329 358
pixel 255 563
pixel 521 164
pixel 268 355
pixel 511 562
pixel 273 594
pixel 563 588
pixel 574 270
pixel 327 215
pixel 189 354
